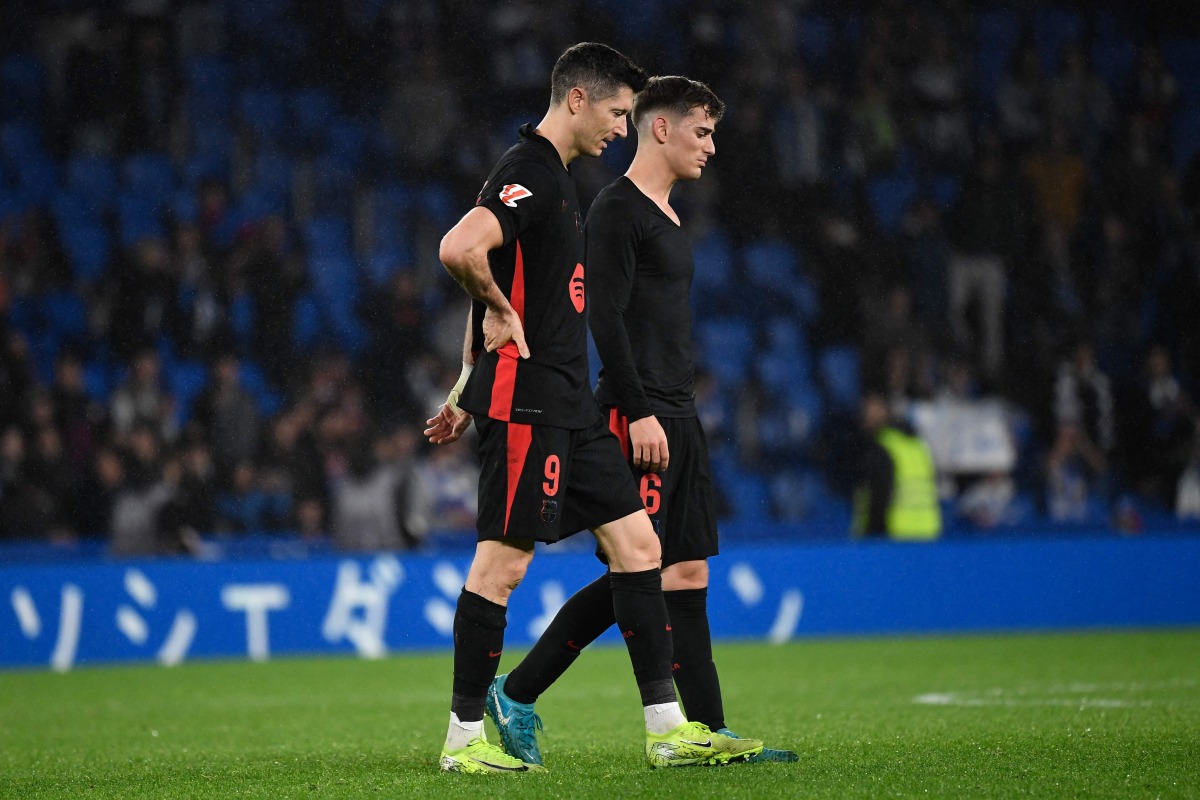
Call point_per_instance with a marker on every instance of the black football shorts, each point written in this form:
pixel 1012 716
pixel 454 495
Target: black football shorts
pixel 680 498
pixel 545 483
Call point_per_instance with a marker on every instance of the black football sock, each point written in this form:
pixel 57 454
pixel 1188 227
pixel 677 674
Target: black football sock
pixel 586 614
pixel 641 615
pixel 692 663
pixel 478 640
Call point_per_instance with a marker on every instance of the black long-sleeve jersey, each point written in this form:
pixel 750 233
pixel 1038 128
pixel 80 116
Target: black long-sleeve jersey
pixel 639 296
pixel 540 270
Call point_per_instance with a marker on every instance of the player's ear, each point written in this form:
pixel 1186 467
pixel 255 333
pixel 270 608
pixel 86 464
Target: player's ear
pixel 660 129
pixel 575 100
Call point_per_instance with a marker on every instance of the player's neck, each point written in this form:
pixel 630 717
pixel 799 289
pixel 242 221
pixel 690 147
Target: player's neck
pixel 558 132
pixel 653 178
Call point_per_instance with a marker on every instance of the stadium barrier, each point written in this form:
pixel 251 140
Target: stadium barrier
pixel 61 615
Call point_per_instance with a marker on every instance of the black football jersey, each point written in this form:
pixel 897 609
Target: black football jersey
pixel 540 270
pixel 640 268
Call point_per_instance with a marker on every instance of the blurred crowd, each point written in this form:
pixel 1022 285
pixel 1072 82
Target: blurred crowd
pixel 221 307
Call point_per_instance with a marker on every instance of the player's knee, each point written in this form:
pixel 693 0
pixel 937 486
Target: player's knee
pixel 636 553
pixel 684 575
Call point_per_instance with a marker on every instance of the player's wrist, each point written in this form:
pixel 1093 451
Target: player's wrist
pixel 456 392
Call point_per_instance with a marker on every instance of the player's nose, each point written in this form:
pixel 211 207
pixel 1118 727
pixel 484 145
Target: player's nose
pixel 710 147
pixel 620 128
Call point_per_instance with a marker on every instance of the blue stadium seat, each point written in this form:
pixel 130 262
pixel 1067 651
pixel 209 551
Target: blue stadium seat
pixel 714 262
pixel 254 381
pixel 209 82
pixel 771 264
pixel 1052 29
pixel 327 236
pixel 944 188
pixel 39 178
pixel 185 379
pixel 306 322
pixel 212 136
pixel 264 114
pixel 1185 134
pixel 273 175
pixel 1182 57
pixel 97 380
pixel 333 183
pixel 138 217
pixel 23 79
pixel 889 197
pixel 185 205
pixel 312 111
pixel 241 320
pixel 89 247
pixel 1112 52
pixel 346 140
pixel 73 207
pixel 256 205
pixel 839 369
pixel 151 175
pixel 815 38
pixel 66 315
pixel 205 165
pixel 726 346
pixel 20 141
pixel 386 261
pixel 95 177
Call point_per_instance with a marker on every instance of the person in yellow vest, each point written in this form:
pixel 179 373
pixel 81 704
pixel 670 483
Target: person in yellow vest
pixel 897 494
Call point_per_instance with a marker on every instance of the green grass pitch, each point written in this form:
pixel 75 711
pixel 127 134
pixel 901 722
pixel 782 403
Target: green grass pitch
pixel 1057 716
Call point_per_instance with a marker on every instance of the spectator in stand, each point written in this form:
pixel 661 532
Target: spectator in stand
pixel 1076 478
pixel 99 490
pixel 375 499
pixel 1160 430
pixel 448 476
pixel 986 233
pixel 149 88
pixel 939 88
pixel 16 375
pixel 52 486
pixel 229 416
pixel 141 294
pixel 897 494
pixel 142 495
pixel 274 276
pixel 18 512
pixel 195 499
pixel 142 400
pixel 1083 402
pixel 1079 101
pixel 1057 176
pixel 396 319
pixel 200 312
pixel 1020 97
pixel 76 415
pixel 244 507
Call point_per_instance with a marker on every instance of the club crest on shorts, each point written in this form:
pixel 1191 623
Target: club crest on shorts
pixel 513 192
pixel 549 511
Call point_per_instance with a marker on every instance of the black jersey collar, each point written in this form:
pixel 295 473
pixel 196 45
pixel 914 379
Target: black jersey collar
pixel 528 132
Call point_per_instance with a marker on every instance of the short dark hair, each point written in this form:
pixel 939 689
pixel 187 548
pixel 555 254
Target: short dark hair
pixel 676 94
pixel 596 68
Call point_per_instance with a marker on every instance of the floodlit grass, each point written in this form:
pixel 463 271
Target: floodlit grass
pixel 1056 716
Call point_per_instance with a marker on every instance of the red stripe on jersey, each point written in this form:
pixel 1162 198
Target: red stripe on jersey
pixel 619 425
pixel 519 438
pixel 518 287
pixel 505 382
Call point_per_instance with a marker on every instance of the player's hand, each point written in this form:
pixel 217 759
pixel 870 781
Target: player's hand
pixel 501 327
pixel 448 426
pixel 648 444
